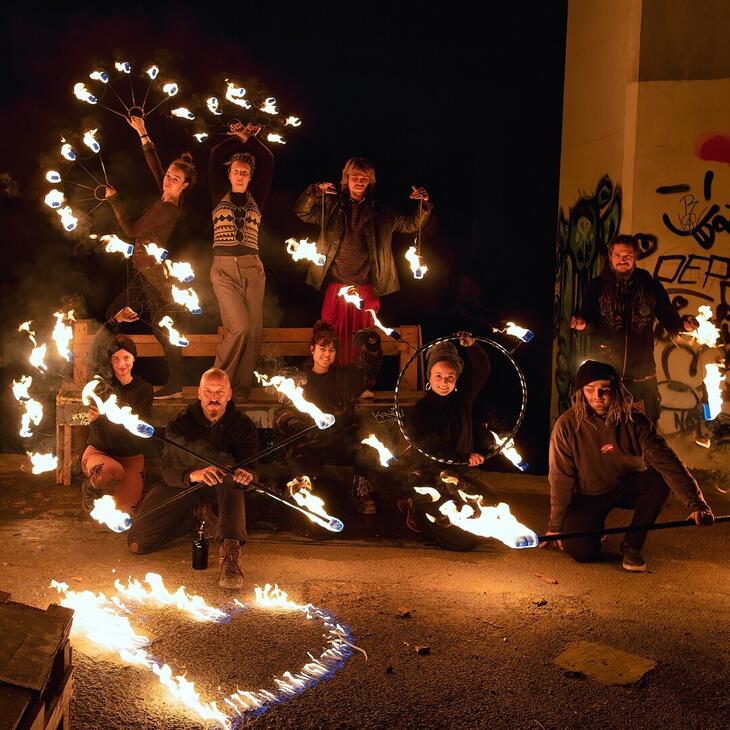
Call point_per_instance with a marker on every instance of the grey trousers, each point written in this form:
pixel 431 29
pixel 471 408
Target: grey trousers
pixel 239 283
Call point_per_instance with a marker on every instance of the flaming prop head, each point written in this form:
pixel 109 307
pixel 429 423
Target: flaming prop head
pixel 300 489
pixel 38 356
pixel 287 387
pixel 53 199
pixel 384 453
pixel 293 122
pixel 306 250
pixel 510 452
pixel 124 67
pixel 42 462
pixel 114 244
pixel 109 408
pixel 350 295
pixel 418 267
pixel 63 333
pixel 269 106
pixel 83 94
pixel 183 113
pixel 53 177
pixel 160 254
pixel 33 409
pixel 175 337
pixel 68 219
pixel 152 72
pixel 713 385
pixel 201 136
pixel 102 76
pixel 188 298
pixel 236 95
pixel 387 330
pixel 212 103
pixel 90 140
pixel 180 270
pixel 516 331
pixel 67 151
pixel 105 511
pixel 706 334
pixel 170 88
pixel 272 137
pixel 25 327
pixel 21 388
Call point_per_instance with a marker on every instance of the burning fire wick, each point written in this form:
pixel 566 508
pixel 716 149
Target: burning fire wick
pixel 384 453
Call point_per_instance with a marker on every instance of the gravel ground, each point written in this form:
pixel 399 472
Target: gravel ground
pixel 493 619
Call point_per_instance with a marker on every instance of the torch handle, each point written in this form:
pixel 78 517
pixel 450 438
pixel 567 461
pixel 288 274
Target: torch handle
pixel 627 528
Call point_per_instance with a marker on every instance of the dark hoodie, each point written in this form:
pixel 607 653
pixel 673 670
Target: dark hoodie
pixel 229 441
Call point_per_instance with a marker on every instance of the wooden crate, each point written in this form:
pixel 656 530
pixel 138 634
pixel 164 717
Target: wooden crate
pixel 36 668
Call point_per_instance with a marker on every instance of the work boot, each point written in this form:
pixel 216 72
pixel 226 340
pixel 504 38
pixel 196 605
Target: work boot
pixel 230 575
pixel 633 559
pixel 169 390
pixel 89 494
pixel 362 491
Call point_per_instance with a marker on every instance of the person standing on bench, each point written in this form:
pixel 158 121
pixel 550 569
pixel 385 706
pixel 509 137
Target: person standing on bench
pixel 113 462
pixel 149 290
pixel 358 233
pixel 237 274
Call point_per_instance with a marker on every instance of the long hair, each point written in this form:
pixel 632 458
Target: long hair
pixel 619 410
pixel 359 163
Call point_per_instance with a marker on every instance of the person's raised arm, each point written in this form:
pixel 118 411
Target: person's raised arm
pixel 310 204
pixel 149 149
pixel 410 223
pixel 481 367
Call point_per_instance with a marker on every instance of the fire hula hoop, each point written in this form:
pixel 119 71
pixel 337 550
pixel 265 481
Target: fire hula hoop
pixel 523 403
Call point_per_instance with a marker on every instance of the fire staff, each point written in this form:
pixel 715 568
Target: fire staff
pixel 606 455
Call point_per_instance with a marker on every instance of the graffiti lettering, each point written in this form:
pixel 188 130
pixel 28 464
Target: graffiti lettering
pixel 694 269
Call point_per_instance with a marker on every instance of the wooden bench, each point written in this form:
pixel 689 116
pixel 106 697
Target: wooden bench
pixel 71 431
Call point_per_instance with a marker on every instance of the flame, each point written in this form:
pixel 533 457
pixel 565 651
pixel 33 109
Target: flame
pixel 180 270
pixel 170 88
pixel 21 388
pixel 706 333
pixel 63 333
pixel 269 105
pixel 25 327
pixel 212 104
pixel 105 511
pixel 68 220
pixel 387 330
pixel 434 494
pixel 235 94
pixel 83 94
pixel 33 414
pixel 90 141
pixel 102 76
pixel 53 177
pixel 294 392
pixel 123 66
pixel 188 298
pixel 175 337
pixel 109 408
pixel 54 198
pixel 193 605
pixel 418 266
pixel 306 250
pixel 114 244
pixel 68 151
pixel 300 489
pixel 37 358
pixel 102 621
pixel 293 121
pixel 510 452
pixel 713 385
pixel 516 331
pixel 275 138
pixel 42 462
pixel 350 295
pixel 154 250
pixel 152 72
pixel 183 113
pixel 200 136
pixel 385 454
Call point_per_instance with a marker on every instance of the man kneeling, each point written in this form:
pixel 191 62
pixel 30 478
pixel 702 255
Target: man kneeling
pixel 215 429
pixel 606 455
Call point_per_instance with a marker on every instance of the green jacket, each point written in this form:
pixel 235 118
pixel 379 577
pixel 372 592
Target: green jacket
pixel 379 226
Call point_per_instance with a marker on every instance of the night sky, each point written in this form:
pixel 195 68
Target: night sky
pixel 470 111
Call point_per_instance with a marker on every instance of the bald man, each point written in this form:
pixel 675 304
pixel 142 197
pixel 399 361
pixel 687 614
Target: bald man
pixel 213 428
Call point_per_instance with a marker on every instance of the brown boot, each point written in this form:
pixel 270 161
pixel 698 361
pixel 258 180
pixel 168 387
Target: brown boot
pixel 230 575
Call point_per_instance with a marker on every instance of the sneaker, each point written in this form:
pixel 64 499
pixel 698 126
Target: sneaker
pixel 170 390
pixel 230 575
pixel 362 491
pixel 633 559
pixel 89 495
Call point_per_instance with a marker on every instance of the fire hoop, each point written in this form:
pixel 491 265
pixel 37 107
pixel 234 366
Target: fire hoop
pixel 523 404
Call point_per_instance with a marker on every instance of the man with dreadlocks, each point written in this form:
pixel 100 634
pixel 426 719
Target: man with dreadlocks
pixel 618 313
pixel 606 455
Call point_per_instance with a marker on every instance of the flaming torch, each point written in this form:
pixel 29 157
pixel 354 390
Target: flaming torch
pixel 287 387
pixel 102 76
pixel 350 295
pixel 175 337
pixel 105 511
pixel 170 88
pixel 114 244
pixel 188 298
pixel 293 122
pixel 83 94
pixel 42 462
pixel 53 177
pixel 124 67
pixel 300 488
pixel 706 334
pixel 516 331
pixel 109 408
pixel 180 270
pixel 269 105
pixel 384 453
pixel 212 104
pixel 306 250
pixel 152 72
pixel 63 333
pixel 38 356
pixel 90 141
pixel 53 199
pixel 183 113
pixel 272 137
pixel 68 220
pixel 417 264
pixel 510 452
pixel 200 136
pixel 67 151
pixel 713 385
pixel 235 94
pixel 33 409
pixel 160 254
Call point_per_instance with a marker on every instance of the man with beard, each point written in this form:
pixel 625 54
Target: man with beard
pixel 618 313
pixel 215 429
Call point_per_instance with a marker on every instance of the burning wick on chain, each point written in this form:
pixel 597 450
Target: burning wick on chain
pixel 42 462
pixel 350 295
pixel 63 333
pixel 713 385
pixel 418 266
pixel 306 250
pixel 516 331
pixel 175 337
pixel 706 334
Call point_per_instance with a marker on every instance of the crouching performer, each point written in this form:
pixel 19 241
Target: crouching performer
pixel 605 455
pixel 215 429
pixel 113 462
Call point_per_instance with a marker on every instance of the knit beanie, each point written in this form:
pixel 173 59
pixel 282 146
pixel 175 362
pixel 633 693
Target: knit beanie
pixel 592 370
pixel 444 351
pixel 123 343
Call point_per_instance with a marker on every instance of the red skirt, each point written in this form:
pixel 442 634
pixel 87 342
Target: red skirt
pixel 346 318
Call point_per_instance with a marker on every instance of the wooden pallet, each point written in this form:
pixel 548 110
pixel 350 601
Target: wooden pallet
pixel 36 669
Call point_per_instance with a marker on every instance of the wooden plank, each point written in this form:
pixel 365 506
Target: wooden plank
pixel 14 701
pixel 57 710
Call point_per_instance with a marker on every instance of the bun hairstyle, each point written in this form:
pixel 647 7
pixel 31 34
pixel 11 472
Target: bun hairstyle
pixel 186 164
pixel 323 334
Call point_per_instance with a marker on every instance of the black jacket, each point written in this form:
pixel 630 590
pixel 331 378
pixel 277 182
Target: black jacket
pixel 379 225
pixel 231 440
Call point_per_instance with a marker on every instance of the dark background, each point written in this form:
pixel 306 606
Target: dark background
pixel 472 111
